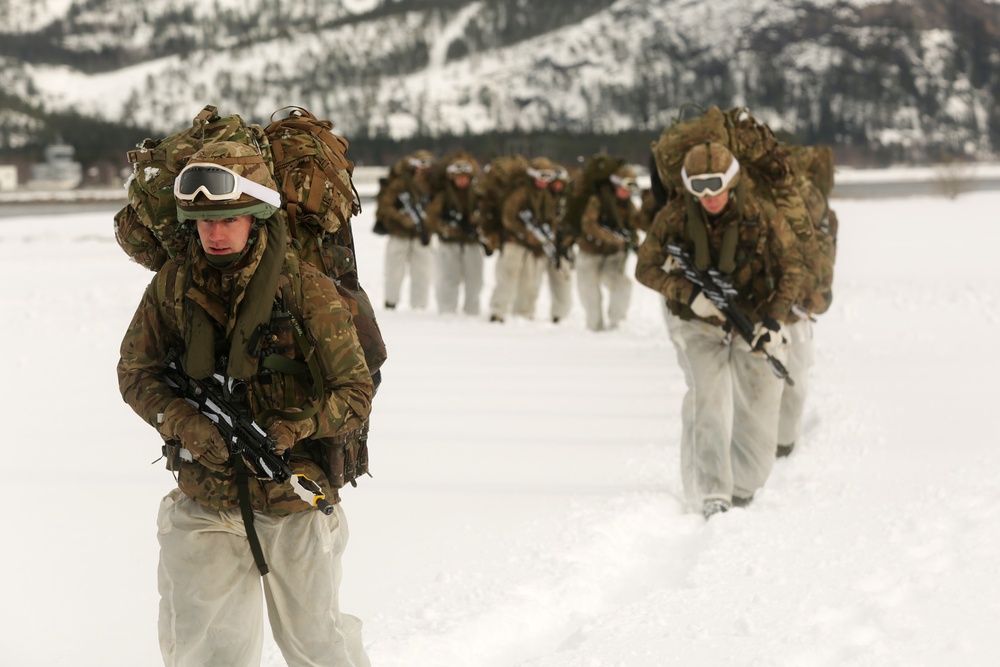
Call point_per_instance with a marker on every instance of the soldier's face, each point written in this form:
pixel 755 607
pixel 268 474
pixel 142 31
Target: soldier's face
pixel 714 205
pixel 225 236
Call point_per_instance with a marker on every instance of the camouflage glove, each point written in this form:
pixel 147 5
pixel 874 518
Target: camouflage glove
pixel 287 433
pixel 703 307
pixel 769 336
pixel 182 422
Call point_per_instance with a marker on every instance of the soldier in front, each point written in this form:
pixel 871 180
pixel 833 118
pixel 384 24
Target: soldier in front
pixel 234 304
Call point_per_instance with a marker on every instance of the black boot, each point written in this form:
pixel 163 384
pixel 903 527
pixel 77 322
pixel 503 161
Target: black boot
pixel 785 450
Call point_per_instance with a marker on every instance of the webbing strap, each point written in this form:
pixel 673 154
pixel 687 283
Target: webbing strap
pixel 243 487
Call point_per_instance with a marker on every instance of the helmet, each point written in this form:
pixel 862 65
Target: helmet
pixel 709 169
pixel 421 159
pixel 625 177
pixel 543 169
pixel 225 179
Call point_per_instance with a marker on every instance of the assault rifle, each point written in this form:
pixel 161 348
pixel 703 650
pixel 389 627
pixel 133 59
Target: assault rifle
pixel 218 397
pixel 718 288
pixel 457 220
pixel 624 236
pixel 549 246
pixel 415 211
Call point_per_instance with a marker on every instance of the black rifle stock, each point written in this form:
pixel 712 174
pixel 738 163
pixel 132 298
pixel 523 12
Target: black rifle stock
pixel 718 288
pixel 416 213
pixel 218 397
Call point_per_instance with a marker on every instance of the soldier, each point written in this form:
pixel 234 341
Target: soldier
pixel 608 227
pixel 816 234
pixel 400 208
pixel 529 224
pixel 453 215
pixel 730 411
pixel 231 305
pixel 560 274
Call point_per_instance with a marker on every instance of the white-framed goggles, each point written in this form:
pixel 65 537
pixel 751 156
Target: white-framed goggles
pixel 629 184
pixel 456 168
pixel 710 185
pixel 219 184
pixel 420 162
pixel 545 175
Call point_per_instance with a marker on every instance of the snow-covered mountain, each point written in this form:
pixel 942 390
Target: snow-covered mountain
pixel 913 78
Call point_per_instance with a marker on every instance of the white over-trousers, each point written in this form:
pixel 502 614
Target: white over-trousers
pixel 400 254
pixel 729 414
pixel 560 288
pixel 519 279
pixel 593 272
pixel 459 265
pixel 793 399
pixel 211 610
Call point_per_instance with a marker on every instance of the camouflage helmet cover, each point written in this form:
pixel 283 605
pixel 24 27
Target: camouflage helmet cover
pixel 710 158
pixel 242 159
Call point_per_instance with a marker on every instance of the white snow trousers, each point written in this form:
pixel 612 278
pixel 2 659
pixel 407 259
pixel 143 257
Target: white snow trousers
pixel 400 254
pixel 593 272
pixel 560 288
pixel 210 590
pixel 519 279
pixel 793 399
pixel 729 414
pixel 459 265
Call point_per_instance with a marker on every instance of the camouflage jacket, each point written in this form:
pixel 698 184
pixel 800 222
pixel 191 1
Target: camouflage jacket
pixel 390 207
pixel 454 216
pixel 769 270
pixel 541 206
pixel 606 231
pixel 188 281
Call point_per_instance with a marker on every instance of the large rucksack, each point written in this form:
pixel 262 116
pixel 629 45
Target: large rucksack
pixel 592 179
pixel 310 168
pixel 774 168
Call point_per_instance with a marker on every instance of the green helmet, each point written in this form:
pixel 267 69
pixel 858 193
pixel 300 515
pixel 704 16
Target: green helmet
pixel 225 179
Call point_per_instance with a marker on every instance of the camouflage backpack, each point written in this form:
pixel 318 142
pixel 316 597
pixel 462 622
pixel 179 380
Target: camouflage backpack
pixel 814 166
pixel 592 179
pixel 310 167
pixel 500 177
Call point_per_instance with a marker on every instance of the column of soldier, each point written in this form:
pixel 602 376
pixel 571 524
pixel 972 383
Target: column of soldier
pixel 542 220
pixel 743 257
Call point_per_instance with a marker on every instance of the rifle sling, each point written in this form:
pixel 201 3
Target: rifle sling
pixel 243 488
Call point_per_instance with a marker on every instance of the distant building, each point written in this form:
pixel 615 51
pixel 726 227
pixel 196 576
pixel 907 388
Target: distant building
pixel 58 172
pixel 8 177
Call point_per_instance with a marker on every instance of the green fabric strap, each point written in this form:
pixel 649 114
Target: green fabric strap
pixel 256 307
pixel 243 489
pixel 698 233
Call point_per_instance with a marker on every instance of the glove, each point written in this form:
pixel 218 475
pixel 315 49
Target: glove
pixel 287 433
pixel 768 336
pixel 703 307
pixel 182 422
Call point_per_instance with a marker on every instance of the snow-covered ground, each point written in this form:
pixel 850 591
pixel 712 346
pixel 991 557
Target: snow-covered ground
pixel 524 506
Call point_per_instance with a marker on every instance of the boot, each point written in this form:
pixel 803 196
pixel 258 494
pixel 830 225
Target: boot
pixel 714 506
pixel 785 450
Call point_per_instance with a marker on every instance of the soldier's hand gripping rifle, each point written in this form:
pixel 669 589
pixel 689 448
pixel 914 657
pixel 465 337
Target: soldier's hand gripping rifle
pixel 718 288
pixel 415 212
pixel 549 246
pixel 630 244
pixel 458 221
pixel 218 398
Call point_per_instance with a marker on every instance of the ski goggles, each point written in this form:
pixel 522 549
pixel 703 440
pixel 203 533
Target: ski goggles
pixel 420 162
pixel 217 183
pixel 710 185
pixel 544 175
pixel 629 184
pixel 459 168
